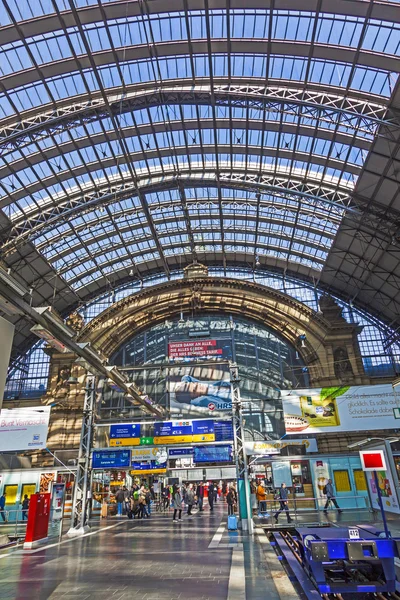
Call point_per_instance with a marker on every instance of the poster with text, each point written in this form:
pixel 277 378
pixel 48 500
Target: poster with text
pixel 24 428
pixel 340 408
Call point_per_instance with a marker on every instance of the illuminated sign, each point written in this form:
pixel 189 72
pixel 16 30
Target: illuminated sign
pixel 194 348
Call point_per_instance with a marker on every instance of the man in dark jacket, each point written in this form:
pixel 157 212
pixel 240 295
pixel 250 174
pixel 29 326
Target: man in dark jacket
pixel 330 496
pixel 211 495
pixel 283 502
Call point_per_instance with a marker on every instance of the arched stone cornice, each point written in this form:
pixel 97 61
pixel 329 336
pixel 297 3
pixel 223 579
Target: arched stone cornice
pixel 286 316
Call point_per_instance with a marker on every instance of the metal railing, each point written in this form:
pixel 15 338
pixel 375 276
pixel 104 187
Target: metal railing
pixel 300 507
pixel 13 524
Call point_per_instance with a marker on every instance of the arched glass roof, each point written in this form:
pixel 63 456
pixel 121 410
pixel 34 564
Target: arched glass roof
pixel 137 136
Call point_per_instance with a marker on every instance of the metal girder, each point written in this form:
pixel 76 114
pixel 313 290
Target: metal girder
pixel 40 222
pixel 354 113
pixel 385 11
pixel 80 514
pixel 180 48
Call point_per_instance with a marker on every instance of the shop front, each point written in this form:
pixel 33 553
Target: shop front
pixel 306 478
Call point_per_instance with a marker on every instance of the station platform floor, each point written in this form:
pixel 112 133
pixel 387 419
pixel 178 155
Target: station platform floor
pixel 156 559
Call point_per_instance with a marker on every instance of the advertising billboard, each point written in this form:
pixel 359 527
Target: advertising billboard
pixel 24 428
pixel 198 390
pixel 386 483
pixel 340 408
pixel 197 349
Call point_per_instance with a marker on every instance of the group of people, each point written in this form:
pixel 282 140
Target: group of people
pixel 193 495
pixel 135 502
pixel 282 497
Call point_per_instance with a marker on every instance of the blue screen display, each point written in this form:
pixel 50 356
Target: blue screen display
pixel 212 454
pixel 111 458
pixel 223 431
pixel 131 430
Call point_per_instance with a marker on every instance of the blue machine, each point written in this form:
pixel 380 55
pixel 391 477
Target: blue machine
pixel 351 559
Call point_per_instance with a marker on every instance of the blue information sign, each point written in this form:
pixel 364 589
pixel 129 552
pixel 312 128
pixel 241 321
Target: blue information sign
pixel 109 459
pixel 172 428
pixel 177 452
pixel 212 454
pixel 223 431
pixel 202 427
pixel 131 430
pixel 148 466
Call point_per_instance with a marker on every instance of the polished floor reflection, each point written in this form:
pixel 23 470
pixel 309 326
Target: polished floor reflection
pixel 153 559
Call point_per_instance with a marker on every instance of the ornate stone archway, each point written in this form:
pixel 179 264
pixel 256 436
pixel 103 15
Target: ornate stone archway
pixel 327 332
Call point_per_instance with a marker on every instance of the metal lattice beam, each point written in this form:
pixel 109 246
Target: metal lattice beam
pixel 354 113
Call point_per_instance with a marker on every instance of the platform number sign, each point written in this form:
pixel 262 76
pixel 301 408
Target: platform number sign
pixel 354 533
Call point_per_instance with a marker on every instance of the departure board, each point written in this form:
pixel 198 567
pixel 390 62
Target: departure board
pixel 223 431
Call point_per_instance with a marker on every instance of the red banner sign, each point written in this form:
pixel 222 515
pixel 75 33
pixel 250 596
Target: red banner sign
pixel 194 348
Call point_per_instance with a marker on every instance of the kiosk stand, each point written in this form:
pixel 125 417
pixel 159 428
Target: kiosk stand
pixel 38 520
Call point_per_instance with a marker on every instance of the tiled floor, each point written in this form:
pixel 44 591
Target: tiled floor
pixel 152 559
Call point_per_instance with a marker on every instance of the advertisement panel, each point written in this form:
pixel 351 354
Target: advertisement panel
pixel 196 349
pixel 341 408
pixel 262 447
pixel 196 390
pixel 146 454
pixel 386 485
pixel 24 428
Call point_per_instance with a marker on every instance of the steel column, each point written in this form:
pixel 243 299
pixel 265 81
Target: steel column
pixel 82 482
pixel 242 475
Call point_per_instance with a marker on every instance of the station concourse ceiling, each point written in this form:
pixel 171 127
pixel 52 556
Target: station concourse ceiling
pixel 138 136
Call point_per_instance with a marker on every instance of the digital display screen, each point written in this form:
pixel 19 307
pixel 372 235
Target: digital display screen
pixel 223 431
pixel 111 458
pixel 212 454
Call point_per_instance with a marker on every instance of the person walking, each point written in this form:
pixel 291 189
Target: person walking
pixel 177 504
pixel 211 496
pixel 25 506
pixel 120 498
pixel 200 496
pixel 190 499
pixel 283 502
pixel 330 496
pixel 231 500
pixel 261 498
pixel 2 506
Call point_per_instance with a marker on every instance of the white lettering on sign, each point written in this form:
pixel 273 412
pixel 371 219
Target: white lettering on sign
pixel 354 533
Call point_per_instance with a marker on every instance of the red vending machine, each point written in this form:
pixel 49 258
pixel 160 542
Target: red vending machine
pixel 38 520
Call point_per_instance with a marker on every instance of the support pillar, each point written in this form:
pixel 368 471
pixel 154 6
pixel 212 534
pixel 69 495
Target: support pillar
pixel 242 475
pixel 82 482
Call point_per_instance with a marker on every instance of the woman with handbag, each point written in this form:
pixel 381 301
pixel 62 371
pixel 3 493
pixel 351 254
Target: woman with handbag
pixel 177 503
